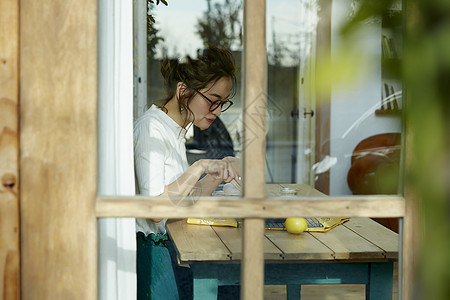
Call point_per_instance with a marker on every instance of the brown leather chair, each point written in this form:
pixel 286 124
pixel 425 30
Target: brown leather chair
pixel 375 169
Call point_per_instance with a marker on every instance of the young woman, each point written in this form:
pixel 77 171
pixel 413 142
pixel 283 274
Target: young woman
pixel 198 92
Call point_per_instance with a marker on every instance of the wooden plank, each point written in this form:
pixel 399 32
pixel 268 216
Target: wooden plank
pixel 9 151
pixel 197 242
pixel 411 239
pixel 377 234
pixel 322 118
pixel 299 246
pixel 254 150
pixel 232 238
pixel 58 157
pixel 273 190
pixel 348 245
pixel 252 270
pixel 255 98
pixel 412 227
pixel 145 207
pixel 304 190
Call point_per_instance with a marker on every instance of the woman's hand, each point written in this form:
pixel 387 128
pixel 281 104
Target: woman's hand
pixel 226 169
pixel 236 165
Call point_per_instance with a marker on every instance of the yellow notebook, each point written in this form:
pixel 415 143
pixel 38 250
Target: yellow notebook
pixel 231 222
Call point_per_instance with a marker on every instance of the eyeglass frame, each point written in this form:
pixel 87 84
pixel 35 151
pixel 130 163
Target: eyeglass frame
pixel 213 103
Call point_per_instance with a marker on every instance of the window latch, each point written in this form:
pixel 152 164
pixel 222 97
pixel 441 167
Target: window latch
pixel 305 113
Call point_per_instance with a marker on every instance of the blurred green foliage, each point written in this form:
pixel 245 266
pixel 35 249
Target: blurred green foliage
pixel 426 76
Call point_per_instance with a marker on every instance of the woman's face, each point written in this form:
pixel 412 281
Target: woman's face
pixel 220 90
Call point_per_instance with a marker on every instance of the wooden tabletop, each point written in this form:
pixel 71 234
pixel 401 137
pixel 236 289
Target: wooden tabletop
pixel 359 239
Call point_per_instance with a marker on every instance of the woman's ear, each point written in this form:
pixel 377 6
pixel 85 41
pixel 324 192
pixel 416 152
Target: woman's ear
pixel 181 88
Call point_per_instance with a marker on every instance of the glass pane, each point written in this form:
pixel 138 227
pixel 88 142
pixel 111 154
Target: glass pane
pixel 291 26
pixel 182 31
pixel 334 118
pixel 334 126
pixel 319 109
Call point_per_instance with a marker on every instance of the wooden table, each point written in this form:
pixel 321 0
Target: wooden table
pixel 360 251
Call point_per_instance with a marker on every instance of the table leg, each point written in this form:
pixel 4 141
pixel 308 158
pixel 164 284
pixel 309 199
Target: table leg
pixel 293 291
pixel 205 288
pixel 380 281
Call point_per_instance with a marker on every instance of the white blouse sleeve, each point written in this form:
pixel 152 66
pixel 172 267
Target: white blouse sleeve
pixel 150 152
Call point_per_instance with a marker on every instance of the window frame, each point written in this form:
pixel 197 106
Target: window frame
pixel 255 206
pixel 55 81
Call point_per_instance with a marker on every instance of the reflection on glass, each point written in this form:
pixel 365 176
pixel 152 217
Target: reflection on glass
pixel 193 25
pixel 334 99
pixel 160 132
pixel 291 28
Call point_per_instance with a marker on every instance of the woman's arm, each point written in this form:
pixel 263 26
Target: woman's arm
pixel 208 184
pixel 217 171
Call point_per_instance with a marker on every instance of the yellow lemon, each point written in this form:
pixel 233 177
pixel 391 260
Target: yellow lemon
pixel 295 225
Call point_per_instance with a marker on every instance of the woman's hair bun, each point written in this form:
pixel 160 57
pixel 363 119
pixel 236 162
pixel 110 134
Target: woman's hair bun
pixel 169 70
pixel 212 64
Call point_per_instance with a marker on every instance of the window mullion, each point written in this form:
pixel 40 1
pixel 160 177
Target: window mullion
pixel 381 206
pixel 255 87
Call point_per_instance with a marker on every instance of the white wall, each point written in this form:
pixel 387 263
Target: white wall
pixel 353 106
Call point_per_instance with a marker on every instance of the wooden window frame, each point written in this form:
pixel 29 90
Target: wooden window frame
pixel 59 205
pixel 9 151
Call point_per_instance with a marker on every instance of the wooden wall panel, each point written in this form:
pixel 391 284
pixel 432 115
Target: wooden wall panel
pixel 58 148
pixel 9 151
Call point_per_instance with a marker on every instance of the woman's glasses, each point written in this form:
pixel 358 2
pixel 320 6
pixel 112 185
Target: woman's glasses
pixel 224 104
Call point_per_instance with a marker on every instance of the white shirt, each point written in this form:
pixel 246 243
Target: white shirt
pixel 159 158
